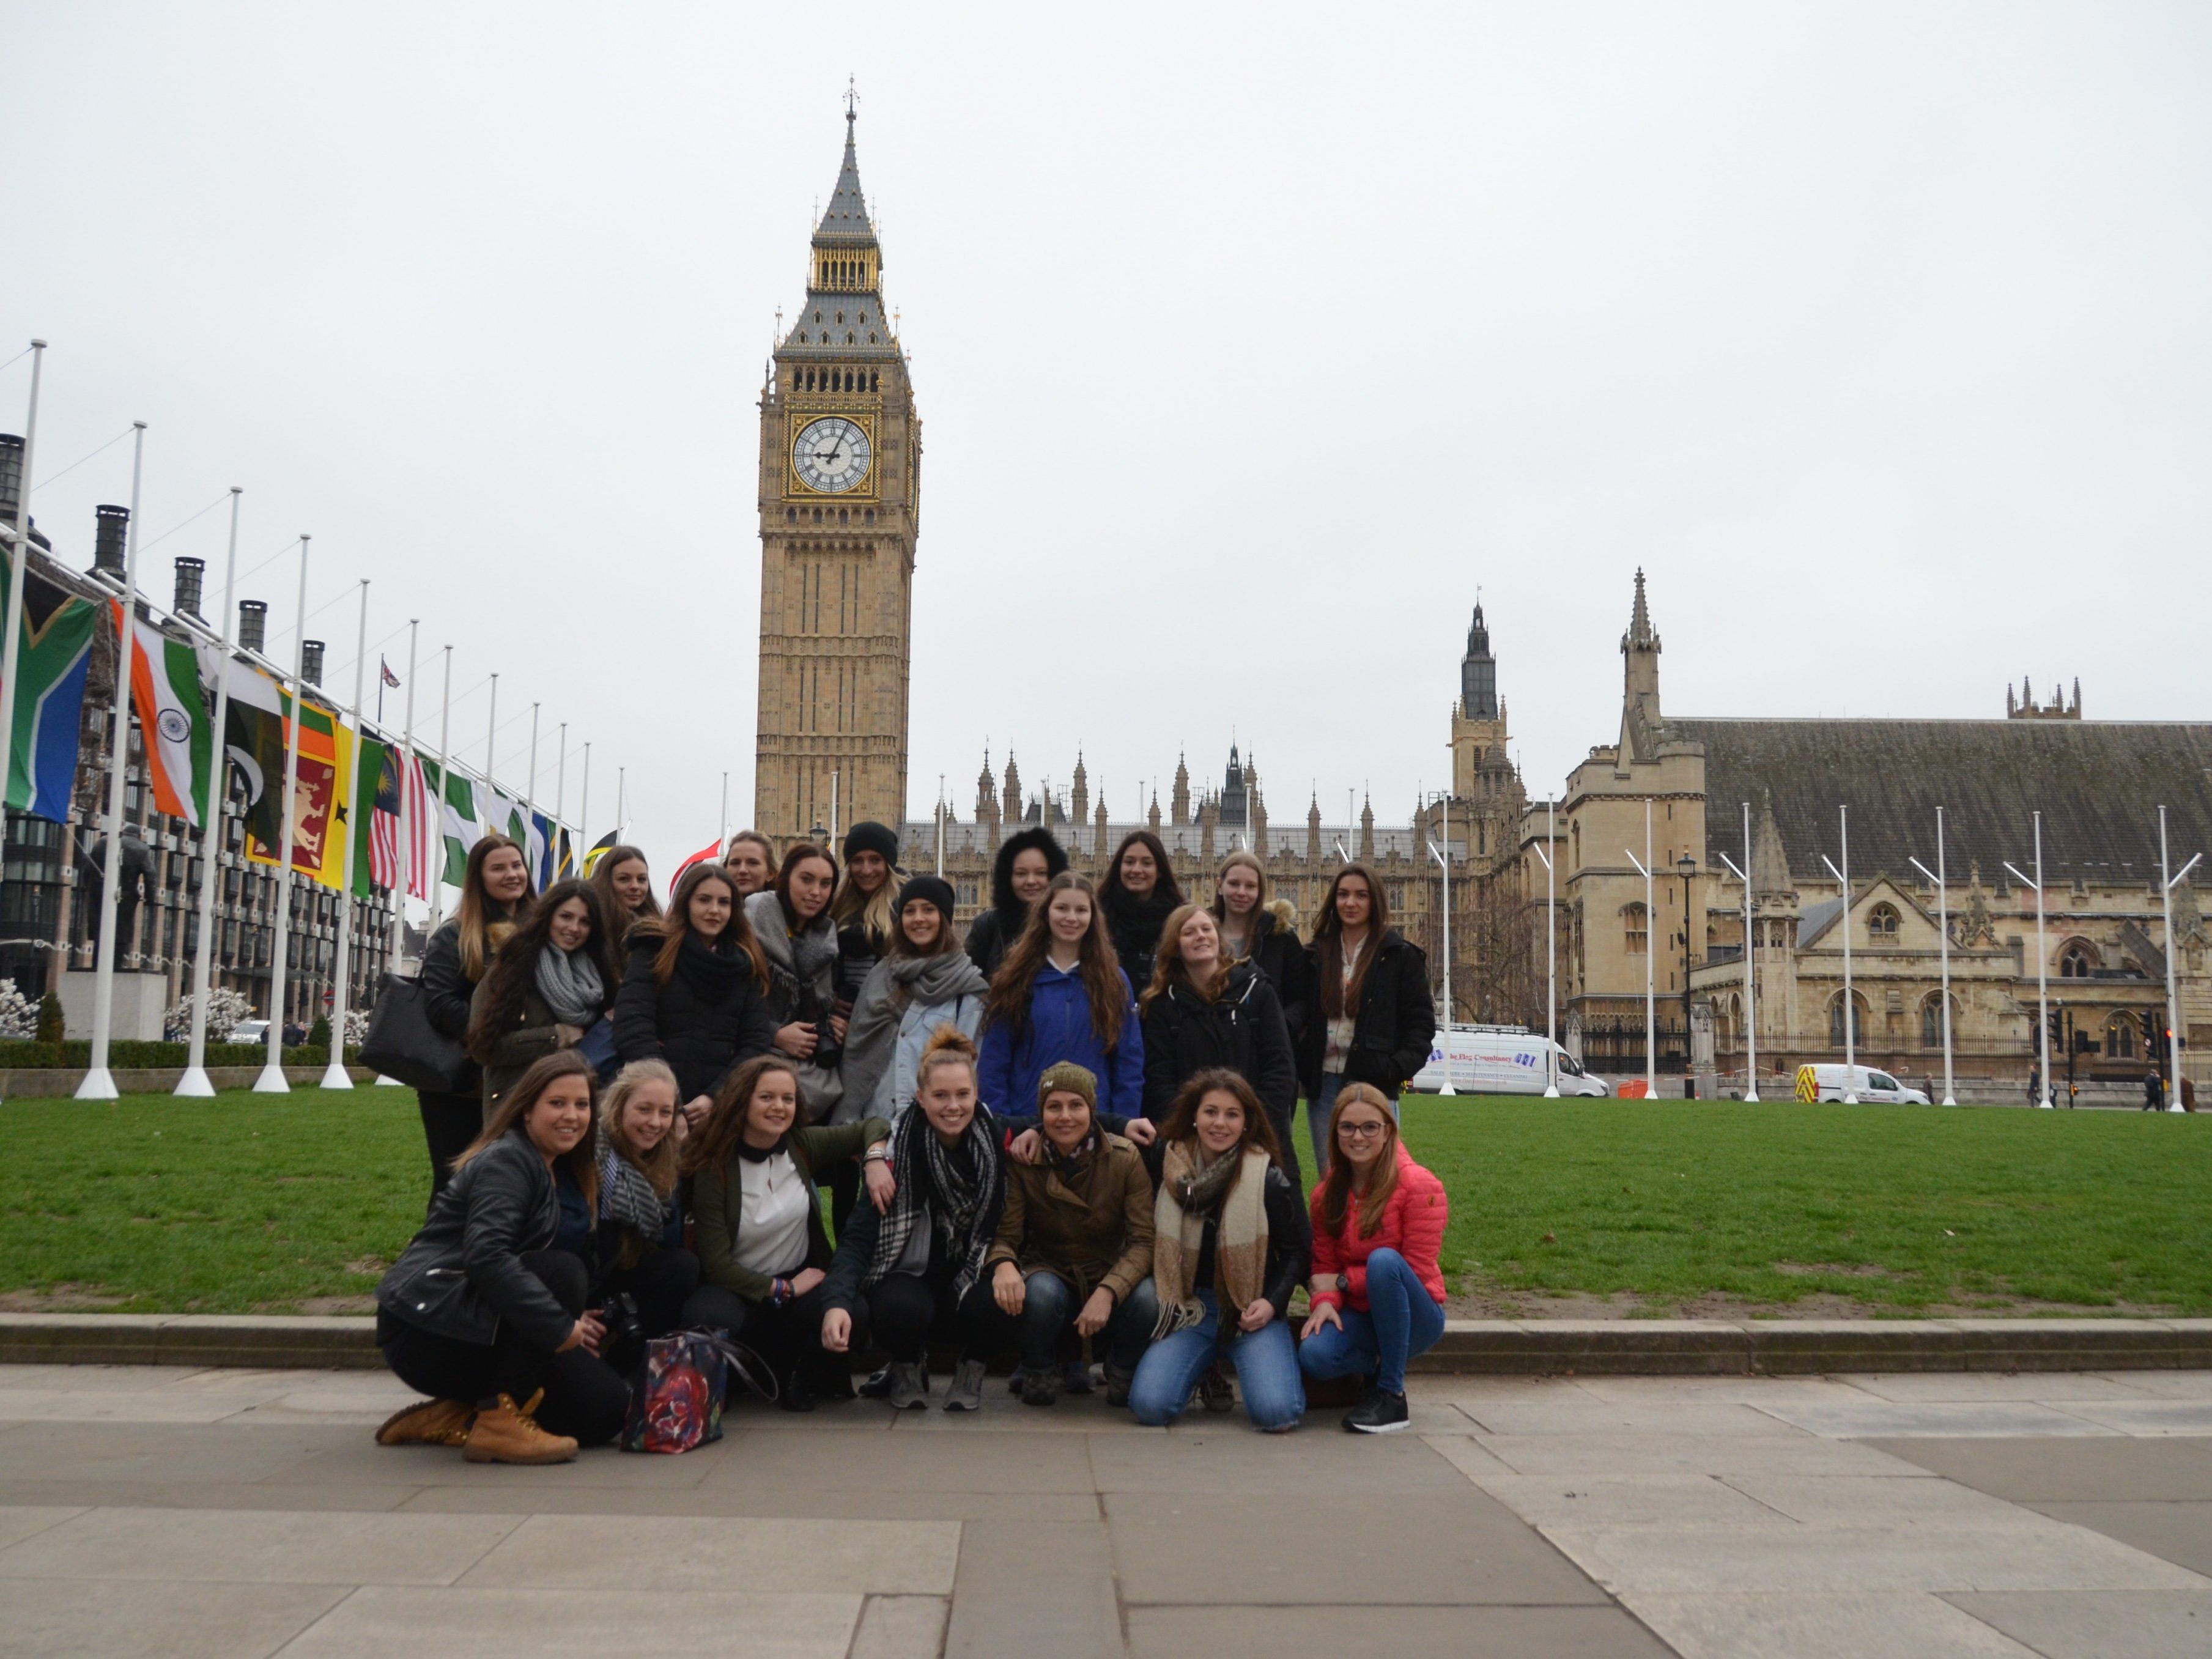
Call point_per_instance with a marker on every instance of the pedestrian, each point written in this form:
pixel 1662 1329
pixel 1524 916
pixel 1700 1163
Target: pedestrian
pixel 1229 1246
pixel 638 1243
pixel 1372 1019
pixel 2154 1090
pixel 482 1313
pixel 1138 894
pixel 750 859
pixel 756 1215
pixel 2188 1093
pixel 924 981
pixel 623 882
pixel 1203 1011
pixel 551 982
pixel 863 908
pixel 1059 996
pixel 693 990
pixel 494 890
pixel 1074 1247
pixel 915 1270
pixel 791 920
pixel 1378 1290
pixel 1263 931
pixel 1026 862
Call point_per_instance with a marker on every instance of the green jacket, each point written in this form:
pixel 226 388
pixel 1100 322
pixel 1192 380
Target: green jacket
pixel 534 1034
pixel 1098 1231
pixel 718 1204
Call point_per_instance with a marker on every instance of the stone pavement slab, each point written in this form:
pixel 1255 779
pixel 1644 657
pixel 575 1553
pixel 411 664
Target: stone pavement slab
pixel 552 1623
pixel 1595 1456
pixel 1847 1625
pixel 101 1619
pixel 2113 1624
pixel 257 1547
pixel 2113 1468
pixel 1035 1589
pixel 1673 1501
pixel 1870 1418
pixel 695 1553
pixel 2179 1533
pixel 1486 1633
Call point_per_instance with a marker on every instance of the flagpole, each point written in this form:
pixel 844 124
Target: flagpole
pixel 194 1082
pixel 438 825
pixel 530 786
pixel 334 1074
pixel 99 1083
pixel 273 1080
pixel 725 808
pixel 18 555
pixel 559 795
pixel 622 785
pixel 584 811
pixel 405 874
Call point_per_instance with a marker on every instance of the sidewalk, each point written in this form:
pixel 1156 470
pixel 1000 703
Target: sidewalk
pixel 148 1509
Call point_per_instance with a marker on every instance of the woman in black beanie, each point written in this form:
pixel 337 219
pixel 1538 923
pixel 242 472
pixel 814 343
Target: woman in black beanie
pixel 863 908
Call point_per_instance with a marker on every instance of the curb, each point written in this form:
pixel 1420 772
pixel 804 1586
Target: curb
pixel 1609 1347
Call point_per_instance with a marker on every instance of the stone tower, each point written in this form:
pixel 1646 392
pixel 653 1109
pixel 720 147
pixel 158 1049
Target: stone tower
pixel 840 473
pixel 1479 736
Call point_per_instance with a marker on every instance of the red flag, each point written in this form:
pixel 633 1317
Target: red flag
pixel 704 855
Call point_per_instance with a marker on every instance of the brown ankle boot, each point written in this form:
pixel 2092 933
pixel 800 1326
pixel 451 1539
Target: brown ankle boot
pixel 428 1423
pixel 507 1433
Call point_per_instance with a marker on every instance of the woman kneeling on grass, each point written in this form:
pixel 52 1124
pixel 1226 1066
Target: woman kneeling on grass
pixel 1229 1246
pixel 917 1270
pixel 758 1218
pixel 481 1313
pixel 1378 1295
pixel 1074 1249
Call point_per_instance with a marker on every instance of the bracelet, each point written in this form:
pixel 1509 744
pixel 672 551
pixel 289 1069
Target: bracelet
pixel 779 1290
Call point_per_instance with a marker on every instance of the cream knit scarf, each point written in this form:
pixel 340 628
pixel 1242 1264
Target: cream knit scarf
pixel 1240 1239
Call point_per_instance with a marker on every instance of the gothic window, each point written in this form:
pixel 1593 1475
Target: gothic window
pixel 841 319
pixel 2120 1038
pixel 1881 923
pixel 1836 1023
pixel 1932 1022
pixel 1637 928
pixel 870 515
pixel 850 340
pixel 2077 963
pixel 842 515
pixel 791 515
pixel 872 337
pixel 872 374
pixel 817 316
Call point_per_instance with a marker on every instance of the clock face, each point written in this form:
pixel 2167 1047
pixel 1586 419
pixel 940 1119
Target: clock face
pixel 831 454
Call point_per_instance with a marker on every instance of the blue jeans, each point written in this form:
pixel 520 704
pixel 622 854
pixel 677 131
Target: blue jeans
pixel 1266 1365
pixel 1050 1307
pixel 1403 1320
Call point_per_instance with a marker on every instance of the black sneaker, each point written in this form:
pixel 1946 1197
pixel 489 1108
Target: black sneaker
pixel 1381 1413
pixel 877 1387
pixel 1075 1376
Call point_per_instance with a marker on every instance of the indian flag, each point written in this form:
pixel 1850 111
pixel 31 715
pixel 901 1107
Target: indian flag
pixel 173 718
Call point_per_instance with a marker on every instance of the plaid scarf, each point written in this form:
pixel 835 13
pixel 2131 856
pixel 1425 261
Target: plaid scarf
pixel 626 1195
pixel 963 1194
pixel 1189 1197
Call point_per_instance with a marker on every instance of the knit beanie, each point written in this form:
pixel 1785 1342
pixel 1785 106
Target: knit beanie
pixel 1068 1078
pixel 872 838
pixel 934 888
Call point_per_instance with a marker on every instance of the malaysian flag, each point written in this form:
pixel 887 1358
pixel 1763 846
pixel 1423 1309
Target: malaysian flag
pixel 425 846
pixel 383 826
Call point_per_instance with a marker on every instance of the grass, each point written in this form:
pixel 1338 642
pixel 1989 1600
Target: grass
pixel 1887 1210
pixel 249 1204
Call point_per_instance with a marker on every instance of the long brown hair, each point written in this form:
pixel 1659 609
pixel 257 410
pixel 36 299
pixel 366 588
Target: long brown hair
pixel 515 969
pixel 619 917
pixel 1220 906
pixel 1168 964
pixel 1103 983
pixel 898 945
pixel 1336 1185
pixel 483 922
pixel 1329 941
pixel 1164 885
pixel 516 1103
pixel 1182 1121
pixel 709 1146
pixel 676 925
pixel 798 853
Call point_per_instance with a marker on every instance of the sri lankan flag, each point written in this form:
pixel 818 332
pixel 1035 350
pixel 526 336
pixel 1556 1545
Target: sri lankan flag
pixel 257 734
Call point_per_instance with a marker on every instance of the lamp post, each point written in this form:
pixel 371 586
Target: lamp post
pixel 1850 1008
pixel 1686 868
pixel 1650 1004
pixel 1443 863
pixel 2042 967
pixel 1551 957
pixel 2167 885
pixel 1750 971
pixel 1943 943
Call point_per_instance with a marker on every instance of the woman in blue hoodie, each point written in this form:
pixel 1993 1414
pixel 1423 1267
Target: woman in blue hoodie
pixel 1060 996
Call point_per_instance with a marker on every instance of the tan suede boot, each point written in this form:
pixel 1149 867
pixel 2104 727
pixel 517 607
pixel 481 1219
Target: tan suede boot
pixel 507 1433
pixel 428 1423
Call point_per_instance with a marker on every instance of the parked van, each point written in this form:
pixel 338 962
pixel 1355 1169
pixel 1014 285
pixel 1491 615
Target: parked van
pixel 1828 1083
pixel 1501 1060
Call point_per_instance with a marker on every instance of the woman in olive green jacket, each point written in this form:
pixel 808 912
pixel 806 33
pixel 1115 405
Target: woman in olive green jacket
pixel 756 1223
pixel 550 982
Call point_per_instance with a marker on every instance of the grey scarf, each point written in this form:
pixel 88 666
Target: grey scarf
pixel 894 985
pixel 569 981
pixel 626 1197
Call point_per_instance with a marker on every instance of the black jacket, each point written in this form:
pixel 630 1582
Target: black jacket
pixel 1274 950
pixel 858 952
pixel 463 1275
pixel 992 934
pixel 1290 1244
pixel 708 1017
pixel 1134 925
pixel 1242 1028
pixel 1396 1021
pixel 448 991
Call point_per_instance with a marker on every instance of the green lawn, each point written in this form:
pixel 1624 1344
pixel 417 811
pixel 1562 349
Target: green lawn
pixel 1897 1209
pixel 247 1204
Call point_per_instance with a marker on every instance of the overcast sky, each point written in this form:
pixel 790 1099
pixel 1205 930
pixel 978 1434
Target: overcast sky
pixel 1248 345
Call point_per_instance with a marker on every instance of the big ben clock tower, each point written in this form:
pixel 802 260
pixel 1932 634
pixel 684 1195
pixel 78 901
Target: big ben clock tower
pixel 840 470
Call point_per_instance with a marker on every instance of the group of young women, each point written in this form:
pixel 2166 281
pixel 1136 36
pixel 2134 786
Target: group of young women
pixel 1021 1154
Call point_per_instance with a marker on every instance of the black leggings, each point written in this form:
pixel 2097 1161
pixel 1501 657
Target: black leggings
pixel 585 1397
pixel 905 1310
pixel 660 1284
pixel 789 1338
pixel 450 1123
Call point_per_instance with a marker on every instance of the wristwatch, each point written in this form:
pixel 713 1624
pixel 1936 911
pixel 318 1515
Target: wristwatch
pixel 1344 1282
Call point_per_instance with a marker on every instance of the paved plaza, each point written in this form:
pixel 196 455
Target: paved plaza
pixel 192 1513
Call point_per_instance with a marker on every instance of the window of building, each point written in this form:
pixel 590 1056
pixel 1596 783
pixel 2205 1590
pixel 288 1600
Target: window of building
pixel 2120 1038
pixel 1882 924
pixel 2076 961
pixel 1637 929
pixel 1932 1022
pixel 1836 1023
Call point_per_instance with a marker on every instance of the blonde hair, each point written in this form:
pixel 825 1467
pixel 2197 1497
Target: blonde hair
pixel 948 1045
pixel 658 1166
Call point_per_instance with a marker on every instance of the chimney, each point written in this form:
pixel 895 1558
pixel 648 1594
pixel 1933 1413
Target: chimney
pixel 191 574
pixel 310 662
pixel 110 540
pixel 11 476
pixel 253 624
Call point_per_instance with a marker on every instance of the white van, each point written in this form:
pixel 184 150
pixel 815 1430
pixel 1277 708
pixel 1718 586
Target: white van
pixel 1828 1083
pixel 1501 1060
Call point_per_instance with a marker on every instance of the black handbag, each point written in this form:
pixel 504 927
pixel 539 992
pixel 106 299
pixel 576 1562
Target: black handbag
pixel 401 1042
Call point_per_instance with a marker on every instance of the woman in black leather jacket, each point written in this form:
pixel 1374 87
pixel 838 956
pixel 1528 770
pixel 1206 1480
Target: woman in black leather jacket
pixel 495 892
pixel 482 1313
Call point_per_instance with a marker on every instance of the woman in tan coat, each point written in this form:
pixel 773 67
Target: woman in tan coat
pixel 1074 1245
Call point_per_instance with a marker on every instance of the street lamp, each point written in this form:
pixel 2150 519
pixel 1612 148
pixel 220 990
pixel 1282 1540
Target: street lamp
pixel 1443 863
pixel 1650 1020
pixel 1551 957
pixel 2167 885
pixel 1750 976
pixel 1850 1008
pixel 1943 943
pixel 2042 966
pixel 1686 866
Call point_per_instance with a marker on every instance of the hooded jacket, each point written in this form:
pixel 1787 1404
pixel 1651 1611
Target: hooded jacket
pixel 1090 1222
pixel 1241 1028
pixel 994 933
pixel 1412 1225
pixel 1059 1028
pixel 708 1016
pixel 1395 1023
pixel 1273 947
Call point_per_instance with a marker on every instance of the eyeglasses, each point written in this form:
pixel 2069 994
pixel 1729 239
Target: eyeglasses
pixel 1360 1131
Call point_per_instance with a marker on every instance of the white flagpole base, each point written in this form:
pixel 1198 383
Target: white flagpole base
pixel 2046 1104
pixel 384 1082
pixel 2176 1107
pixel 1948 1101
pixel 1750 1097
pixel 1850 1100
pixel 194 1083
pixel 1552 1093
pixel 334 1076
pixel 271 1081
pixel 99 1085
